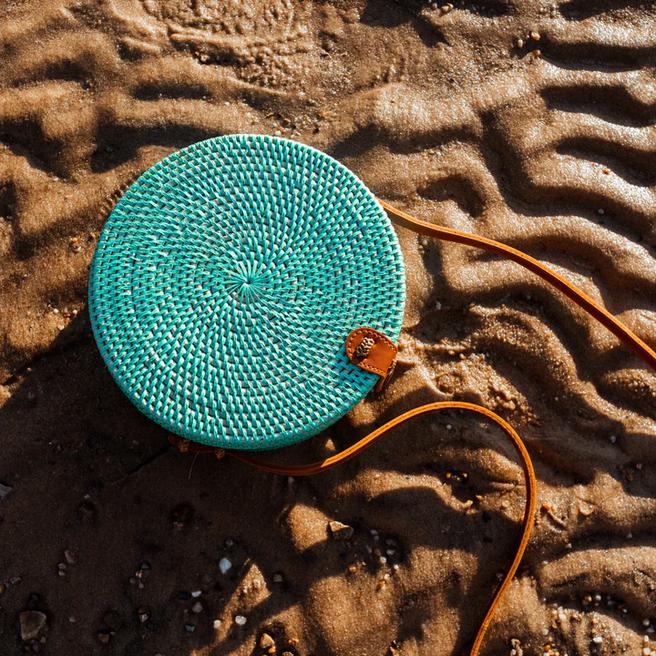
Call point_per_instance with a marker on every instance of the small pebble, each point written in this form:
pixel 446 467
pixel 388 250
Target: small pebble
pixel 189 627
pixel 70 557
pixel 104 636
pixel 197 608
pixel 5 490
pixel 217 624
pixel 266 641
pixel 340 531
pixel 196 593
pixel 224 565
pixel 32 624
pixel 597 639
pixel 535 36
pixel 278 578
pixel 240 620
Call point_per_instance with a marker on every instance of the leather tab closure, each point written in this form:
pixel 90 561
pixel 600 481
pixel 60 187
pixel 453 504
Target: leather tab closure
pixel 372 351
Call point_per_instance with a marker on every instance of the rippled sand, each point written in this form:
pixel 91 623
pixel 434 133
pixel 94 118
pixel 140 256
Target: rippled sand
pixel 527 121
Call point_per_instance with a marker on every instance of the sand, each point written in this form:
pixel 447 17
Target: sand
pixel 528 121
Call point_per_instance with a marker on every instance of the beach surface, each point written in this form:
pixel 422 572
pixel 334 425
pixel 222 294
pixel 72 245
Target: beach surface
pixel 526 121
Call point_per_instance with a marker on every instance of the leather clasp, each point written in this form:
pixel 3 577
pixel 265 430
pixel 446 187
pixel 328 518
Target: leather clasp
pixel 372 351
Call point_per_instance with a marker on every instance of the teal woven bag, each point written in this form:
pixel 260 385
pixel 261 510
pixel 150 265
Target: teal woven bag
pixel 226 281
pixel 247 292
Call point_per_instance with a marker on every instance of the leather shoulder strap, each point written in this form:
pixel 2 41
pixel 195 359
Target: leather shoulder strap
pixel 377 355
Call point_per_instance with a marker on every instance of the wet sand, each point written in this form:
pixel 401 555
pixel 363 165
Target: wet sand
pixel 527 121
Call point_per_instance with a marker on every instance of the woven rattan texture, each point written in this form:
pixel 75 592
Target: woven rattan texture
pixel 224 285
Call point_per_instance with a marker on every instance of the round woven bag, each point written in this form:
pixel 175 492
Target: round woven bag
pixel 226 281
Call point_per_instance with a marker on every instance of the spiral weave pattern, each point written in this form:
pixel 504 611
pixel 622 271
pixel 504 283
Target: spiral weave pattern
pixel 224 285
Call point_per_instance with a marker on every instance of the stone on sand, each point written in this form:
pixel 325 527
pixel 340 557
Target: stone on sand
pixel 32 624
pixel 340 531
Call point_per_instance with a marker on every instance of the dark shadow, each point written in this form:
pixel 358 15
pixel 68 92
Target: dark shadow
pixel 634 165
pixel 595 56
pixel 158 91
pixel 69 71
pixel 119 144
pixel 148 526
pixel 379 13
pixel 614 104
pixel 8 201
pixel 357 143
pixel 457 188
pixel 581 425
pixel 582 9
pixel 491 8
pixel 24 137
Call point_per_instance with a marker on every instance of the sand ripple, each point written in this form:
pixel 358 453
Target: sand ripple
pixel 547 145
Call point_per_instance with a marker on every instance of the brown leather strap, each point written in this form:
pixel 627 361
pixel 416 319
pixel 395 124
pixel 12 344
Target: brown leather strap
pixel 367 441
pixel 647 354
pixel 357 448
pixel 600 313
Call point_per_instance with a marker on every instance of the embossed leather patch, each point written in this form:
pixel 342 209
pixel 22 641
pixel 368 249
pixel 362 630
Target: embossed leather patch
pixel 372 351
